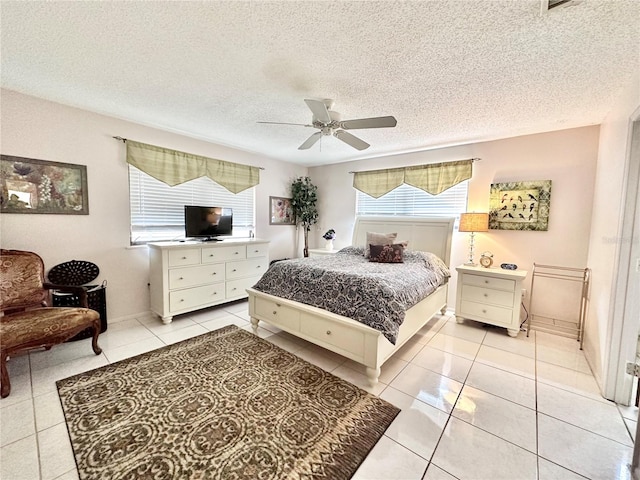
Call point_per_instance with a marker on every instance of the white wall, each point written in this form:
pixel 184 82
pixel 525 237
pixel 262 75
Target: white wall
pixel 39 129
pixel 606 230
pixel 566 157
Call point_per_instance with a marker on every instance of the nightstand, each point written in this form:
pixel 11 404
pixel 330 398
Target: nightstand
pixel 316 252
pixel 490 295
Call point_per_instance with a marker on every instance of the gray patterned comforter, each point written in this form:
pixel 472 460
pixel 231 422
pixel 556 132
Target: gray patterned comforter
pixel 376 294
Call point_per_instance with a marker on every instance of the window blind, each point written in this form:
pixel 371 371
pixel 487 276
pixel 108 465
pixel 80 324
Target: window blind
pixel 406 200
pixel 157 210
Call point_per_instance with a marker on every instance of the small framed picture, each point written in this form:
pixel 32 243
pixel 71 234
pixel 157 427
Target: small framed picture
pixel 520 205
pixel 280 211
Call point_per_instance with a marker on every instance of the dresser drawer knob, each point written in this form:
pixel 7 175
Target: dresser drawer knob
pixel 256 251
pixel 275 312
pixel 234 288
pixel 486 295
pixel 258 266
pixel 486 281
pixel 214 273
pixel 181 278
pixel 484 311
pixel 328 332
pixel 236 253
pixel 234 270
pixel 184 258
pixel 211 254
pixel 182 299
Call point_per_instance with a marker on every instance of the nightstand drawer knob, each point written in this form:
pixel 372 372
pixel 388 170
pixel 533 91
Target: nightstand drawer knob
pixel 486 295
pixel 486 281
pixel 484 311
pixel 328 332
pixel 275 312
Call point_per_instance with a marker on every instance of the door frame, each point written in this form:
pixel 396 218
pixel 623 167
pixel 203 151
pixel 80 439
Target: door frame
pixel 623 342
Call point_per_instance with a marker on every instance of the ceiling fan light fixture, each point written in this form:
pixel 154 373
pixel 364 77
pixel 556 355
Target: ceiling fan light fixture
pixel 329 122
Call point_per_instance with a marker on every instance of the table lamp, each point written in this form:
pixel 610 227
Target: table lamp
pixel 473 222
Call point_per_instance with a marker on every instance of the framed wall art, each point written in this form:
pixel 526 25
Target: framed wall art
pixel 41 186
pixel 520 205
pixel 280 211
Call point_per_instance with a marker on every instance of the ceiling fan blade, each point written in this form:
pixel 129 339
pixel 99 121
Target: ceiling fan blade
pixel 309 142
pixel 319 109
pixel 286 123
pixel 375 122
pixel 352 140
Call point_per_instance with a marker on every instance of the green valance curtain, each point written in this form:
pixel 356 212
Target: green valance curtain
pixel 432 178
pixel 174 167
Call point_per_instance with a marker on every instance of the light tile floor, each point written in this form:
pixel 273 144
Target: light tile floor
pixel 476 404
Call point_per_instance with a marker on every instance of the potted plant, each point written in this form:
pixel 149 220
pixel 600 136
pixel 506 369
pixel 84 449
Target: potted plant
pixel 303 203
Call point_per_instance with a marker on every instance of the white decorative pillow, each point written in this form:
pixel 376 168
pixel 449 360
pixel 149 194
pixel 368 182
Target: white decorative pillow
pixel 378 239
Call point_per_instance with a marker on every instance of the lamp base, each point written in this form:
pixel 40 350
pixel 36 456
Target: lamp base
pixel 470 264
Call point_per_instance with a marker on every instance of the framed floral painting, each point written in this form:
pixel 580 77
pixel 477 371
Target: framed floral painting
pixel 520 205
pixel 41 186
pixel 280 211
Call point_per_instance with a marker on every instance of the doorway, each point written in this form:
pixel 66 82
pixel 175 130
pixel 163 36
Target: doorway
pixel 627 300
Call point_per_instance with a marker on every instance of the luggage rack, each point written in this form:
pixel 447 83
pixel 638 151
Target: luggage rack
pixel 568 328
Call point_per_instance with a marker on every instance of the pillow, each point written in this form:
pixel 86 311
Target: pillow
pixel 378 239
pixel 386 253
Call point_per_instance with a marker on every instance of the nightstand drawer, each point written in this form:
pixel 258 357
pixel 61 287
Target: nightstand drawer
pixel 487 295
pixel 489 282
pixel 495 315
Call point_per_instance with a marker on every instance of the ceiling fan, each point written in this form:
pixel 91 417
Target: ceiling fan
pixel 330 123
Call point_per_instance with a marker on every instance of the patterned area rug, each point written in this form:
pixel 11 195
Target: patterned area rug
pixel 224 405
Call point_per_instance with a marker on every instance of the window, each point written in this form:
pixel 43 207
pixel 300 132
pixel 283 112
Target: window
pixel 411 201
pixel 157 210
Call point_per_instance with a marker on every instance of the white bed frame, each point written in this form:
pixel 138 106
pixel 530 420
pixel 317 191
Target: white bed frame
pixel 351 338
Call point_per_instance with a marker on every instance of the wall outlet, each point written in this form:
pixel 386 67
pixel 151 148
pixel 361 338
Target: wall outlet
pixel 524 292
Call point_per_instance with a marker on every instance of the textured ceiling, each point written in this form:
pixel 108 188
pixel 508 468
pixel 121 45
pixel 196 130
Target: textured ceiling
pixel 450 71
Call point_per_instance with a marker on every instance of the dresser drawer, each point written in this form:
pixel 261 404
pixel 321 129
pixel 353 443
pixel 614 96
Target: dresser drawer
pixel 487 295
pixel 192 276
pixel 222 254
pixel 278 314
pixel 258 250
pixel 333 334
pixel 238 288
pixel 196 296
pixel 493 314
pixel 184 256
pixel 247 268
pixel 489 282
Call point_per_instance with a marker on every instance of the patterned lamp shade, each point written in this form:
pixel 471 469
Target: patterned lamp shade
pixel 474 222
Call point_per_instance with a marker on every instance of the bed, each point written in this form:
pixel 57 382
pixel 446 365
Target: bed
pixel 346 336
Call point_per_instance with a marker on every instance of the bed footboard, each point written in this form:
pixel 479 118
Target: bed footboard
pixel 339 334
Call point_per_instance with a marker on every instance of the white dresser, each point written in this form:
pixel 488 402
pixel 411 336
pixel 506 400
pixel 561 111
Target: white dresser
pixel 187 276
pixel 490 295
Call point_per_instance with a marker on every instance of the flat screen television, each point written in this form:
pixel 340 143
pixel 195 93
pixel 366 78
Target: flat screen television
pixel 207 223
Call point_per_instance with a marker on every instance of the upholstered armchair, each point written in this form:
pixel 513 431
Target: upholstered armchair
pixel 27 322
